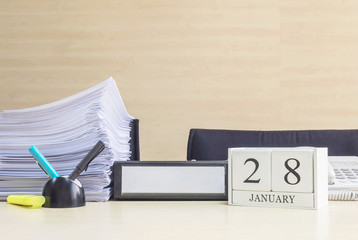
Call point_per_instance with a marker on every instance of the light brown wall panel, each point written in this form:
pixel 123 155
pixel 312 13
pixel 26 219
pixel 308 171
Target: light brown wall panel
pixel 183 64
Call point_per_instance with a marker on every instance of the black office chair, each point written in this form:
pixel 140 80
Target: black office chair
pixel 210 144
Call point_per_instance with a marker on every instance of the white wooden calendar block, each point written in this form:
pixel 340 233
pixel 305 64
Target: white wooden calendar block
pixel 252 168
pixel 298 176
pixel 292 170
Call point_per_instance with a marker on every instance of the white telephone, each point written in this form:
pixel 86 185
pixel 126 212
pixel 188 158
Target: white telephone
pixel 343 178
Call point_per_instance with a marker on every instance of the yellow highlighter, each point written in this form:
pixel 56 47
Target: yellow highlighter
pixel 29 201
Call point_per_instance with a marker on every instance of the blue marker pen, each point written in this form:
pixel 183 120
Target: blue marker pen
pixel 43 163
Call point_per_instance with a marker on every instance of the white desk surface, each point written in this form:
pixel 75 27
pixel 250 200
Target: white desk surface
pixel 178 220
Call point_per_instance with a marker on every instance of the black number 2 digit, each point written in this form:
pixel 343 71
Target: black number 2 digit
pixel 248 180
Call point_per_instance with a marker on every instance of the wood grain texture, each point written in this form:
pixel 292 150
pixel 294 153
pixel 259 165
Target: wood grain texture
pixel 178 220
pixel 252 64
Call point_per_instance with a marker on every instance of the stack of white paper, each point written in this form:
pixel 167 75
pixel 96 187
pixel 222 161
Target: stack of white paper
pixel 64 131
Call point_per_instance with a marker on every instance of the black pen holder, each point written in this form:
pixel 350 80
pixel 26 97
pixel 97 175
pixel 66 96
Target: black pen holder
pixel 61 192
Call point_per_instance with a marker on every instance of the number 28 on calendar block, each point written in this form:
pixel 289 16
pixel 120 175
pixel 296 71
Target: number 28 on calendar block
pixel 278 177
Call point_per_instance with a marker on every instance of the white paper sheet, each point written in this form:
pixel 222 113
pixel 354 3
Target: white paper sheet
pixel 64 131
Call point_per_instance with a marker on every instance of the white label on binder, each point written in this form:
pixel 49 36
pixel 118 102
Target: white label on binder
pixel 173 179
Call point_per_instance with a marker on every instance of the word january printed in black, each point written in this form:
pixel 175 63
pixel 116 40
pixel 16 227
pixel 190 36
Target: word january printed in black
pixel 272 198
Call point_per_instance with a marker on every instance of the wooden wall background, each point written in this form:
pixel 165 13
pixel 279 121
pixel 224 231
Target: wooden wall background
pixel 240 64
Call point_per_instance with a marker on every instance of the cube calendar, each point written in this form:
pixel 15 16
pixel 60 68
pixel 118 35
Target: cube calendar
pixel 278 177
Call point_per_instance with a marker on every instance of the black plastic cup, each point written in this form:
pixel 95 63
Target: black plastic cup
pixel 61 192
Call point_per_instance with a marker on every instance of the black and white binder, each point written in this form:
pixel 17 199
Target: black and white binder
pixel 134 142
pixel 170 180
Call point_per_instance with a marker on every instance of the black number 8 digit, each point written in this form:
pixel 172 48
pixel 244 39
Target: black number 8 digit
pixel 292 170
